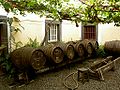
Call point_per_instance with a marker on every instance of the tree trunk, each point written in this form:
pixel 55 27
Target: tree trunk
pixel 46 33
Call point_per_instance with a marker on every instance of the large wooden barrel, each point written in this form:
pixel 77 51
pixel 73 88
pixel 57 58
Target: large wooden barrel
pixel 68 49
pixel 112 47
pixel 79 48
pixel 53 52
pixel 26 57
pixel 88 47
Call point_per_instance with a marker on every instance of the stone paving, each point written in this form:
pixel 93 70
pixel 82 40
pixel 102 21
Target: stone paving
pixel 52 80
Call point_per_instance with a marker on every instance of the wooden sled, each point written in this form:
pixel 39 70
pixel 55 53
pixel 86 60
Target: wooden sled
pixel 99 72
pixel 95 70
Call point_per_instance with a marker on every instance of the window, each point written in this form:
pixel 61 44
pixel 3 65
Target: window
pixel 54 28
pixel 54 31
pixel 89 32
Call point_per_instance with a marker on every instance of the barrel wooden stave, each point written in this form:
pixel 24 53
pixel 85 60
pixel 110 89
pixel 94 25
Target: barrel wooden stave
pixel 23 58
pixel 68 49
pixel 107 47
pixel 16 58
pixel 79 48
pixel 38 59
pixel 95 45
pixel 53 52
pixel 88 47
pixel 112 47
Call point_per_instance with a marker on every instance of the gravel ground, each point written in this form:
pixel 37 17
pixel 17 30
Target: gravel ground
pixel 52 80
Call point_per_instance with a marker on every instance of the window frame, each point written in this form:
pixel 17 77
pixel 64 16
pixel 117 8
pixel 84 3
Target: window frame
pixel 89 24
pixel 58 31
pixel 53 33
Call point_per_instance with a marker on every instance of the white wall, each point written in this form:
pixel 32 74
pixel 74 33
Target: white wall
pixel 32 29
pixel 3 12
pixel 36 29
pixel 70 31
pixel 108 32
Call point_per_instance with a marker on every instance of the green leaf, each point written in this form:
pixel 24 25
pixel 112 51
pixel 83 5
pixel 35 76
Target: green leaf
pixel 6 5
pixel 33 43
pixel 57 9
pixel 66 0
pixel 8 67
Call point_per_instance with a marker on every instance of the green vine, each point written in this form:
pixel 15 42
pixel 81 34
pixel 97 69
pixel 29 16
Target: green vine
pixel 101 52
pixel 15 45
pixel 5 61
pixel 88 11
pixel 7 66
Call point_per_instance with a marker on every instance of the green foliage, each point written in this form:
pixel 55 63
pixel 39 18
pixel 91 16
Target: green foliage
pixel 7 65
pixel 32 43
pixel 12 28
pixel 66 0
pixel 101 52
pixel 17 45
pixel 92 11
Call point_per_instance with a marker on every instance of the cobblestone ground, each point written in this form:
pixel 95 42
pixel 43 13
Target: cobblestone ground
pixel 52 80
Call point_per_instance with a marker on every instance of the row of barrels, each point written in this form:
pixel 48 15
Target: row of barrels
pixel 112 47
pixel 55 54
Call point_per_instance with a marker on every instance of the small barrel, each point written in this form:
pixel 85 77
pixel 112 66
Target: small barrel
pixel 79 48
pixel 26 57
pixel 95 45
pixel 68 49
pixel 112 47
pixel 53 52
pixel 88 47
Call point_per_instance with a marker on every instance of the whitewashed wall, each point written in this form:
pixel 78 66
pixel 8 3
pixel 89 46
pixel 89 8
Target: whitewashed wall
pixel 108 32
pixel 32 29
pixel 36 29
pixel 70 31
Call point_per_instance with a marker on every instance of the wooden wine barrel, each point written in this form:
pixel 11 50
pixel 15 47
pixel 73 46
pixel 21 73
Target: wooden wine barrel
pixel 53 52
pixel 88 47
pixel 68 49
pixel 79 48
pixel 95 44
pixel 26 57
pixel 112 47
